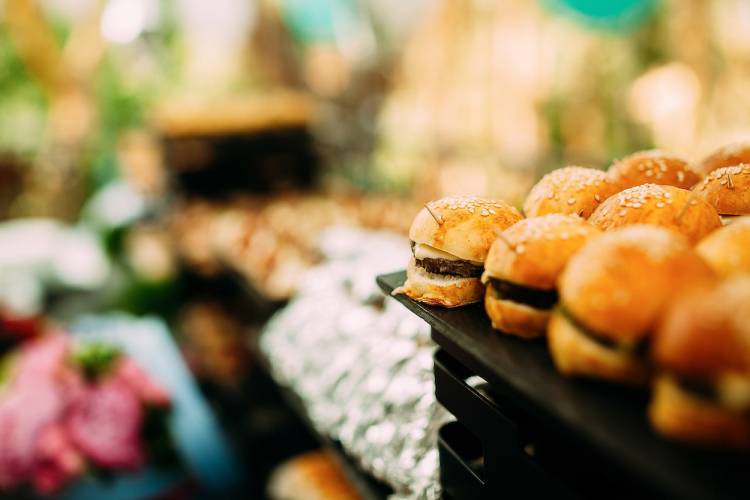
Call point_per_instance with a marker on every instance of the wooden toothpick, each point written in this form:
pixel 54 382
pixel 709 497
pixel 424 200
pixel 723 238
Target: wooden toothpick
pixel 437 218
pixel 730 183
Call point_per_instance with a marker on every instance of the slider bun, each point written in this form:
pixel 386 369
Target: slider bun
pixel 677 414
pixel 542 245
pixel 575 354
pixel 468 228
pixel 618 283
pixel 569 190
pixel 439 289
pixel 726 156
pixel 727 250
pixel 728 200
pixel 659 205
pixel 706 333
pixel 654 167
pixel 514 318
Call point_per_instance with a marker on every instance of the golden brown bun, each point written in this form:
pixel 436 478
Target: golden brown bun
pixel 727 250
pixel 542 246
pixel 652 167
pixel 468 225
pixel 439 289
pixel 706 333
pixel 514 318
pixel 679 415
pixel 575 354
pixel 619 283
pixel 665 206
pixel 727 189
pixel 726 156
pixel 569 190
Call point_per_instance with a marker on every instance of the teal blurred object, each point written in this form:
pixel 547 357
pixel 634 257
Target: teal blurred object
pixel 606 14
pixel 313 21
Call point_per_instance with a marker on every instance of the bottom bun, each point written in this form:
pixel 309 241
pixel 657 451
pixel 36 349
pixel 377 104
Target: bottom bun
pixel 439 289
pixel 576 354
pixel 515 318
pixel 678 414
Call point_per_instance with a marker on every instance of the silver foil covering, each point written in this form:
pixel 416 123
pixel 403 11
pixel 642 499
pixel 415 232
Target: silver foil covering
pixel 362 366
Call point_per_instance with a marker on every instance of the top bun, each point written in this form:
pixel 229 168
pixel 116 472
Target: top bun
pixel 654 167
pixel 707 333
pixel 618 284
pixel 727 189
pixel 569 190
pixel 726 156
pixel 468 225
pixel 541 248
pixel 666 206
pixel 727 250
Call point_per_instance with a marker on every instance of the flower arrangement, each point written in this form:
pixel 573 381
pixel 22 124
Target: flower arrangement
pixel 67 410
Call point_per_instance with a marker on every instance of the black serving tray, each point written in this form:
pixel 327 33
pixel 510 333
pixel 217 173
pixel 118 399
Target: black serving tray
pixel 601 420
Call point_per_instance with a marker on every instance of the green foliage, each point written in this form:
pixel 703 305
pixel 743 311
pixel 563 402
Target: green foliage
pixel 96 359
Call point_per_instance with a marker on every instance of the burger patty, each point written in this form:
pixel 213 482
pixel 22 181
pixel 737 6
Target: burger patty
pixel 640 349
pixel 700 388
pixel 532 297
pixel 462 268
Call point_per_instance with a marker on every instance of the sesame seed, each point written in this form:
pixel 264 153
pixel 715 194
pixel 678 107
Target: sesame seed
pixel 471 210
pixel 484 212
pixel 571 201
pixel 492 211
pixel 660 205
pixel 520 249
pixel 597 197
pixel 622 213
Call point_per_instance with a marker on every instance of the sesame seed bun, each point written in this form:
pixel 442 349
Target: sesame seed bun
pixel 569 190
pixel 706 333
pixel 515 318
pixel 678 414
pixel 726 156
pixel 727 189
pixel 541 248
pixel 576 354
pixel 654 167
pixel 666 206
pixel 618 283
pixel 468 225
pixel 439 289
pixel 616 288
pixel 727 250
pixel 705 337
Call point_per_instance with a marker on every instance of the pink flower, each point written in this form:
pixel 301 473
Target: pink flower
pixel 106 425
pixel 128 371
pixel 57 460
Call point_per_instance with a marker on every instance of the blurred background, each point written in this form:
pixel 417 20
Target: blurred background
pixel 186 160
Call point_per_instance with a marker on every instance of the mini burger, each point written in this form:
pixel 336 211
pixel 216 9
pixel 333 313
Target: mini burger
pixel 702 354
pixel 522 268
pixel 450 239
pixel 612 293
pixel 727 156
pixel 652 167
pixel 569 190
pixel 667 206
pixel 727 250
pixel 728 190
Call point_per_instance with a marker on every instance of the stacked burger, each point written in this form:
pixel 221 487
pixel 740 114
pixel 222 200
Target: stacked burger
pixel 633 275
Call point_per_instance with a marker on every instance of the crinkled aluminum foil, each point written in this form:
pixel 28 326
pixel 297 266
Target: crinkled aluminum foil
pixel 362 368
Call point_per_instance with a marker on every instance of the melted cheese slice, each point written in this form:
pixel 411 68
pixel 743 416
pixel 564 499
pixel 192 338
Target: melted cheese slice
pixel 422 251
